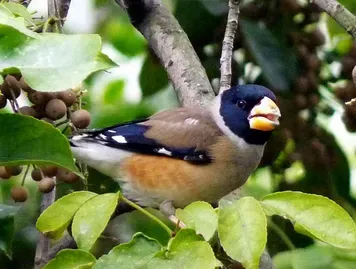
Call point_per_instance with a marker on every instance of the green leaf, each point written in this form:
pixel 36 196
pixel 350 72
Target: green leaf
pixel 7 214
pixel 132 255
pixel 114 92
pixel 185 250
pixel 26 140
pixel 20 11
pixel 56 218
pixel 1 79
pixel 278 64
pixel 91 219
pixel 12 27
pixel 52 62
pixel 153 76
pixel 71 259
pixel 242 229
pixel 126 225
pixel 318 215
pixel 201 217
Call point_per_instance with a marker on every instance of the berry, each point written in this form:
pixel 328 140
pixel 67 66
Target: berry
pixel 50 170
pixel 27 110
pixel 56 109
pixel 46 185
pixel 66 176
pixel 300 101
pixel 13 170
pixel 40 110
pixel 38 98
pixel 3 173
pixel 302 84
pixel 68 97
pixel 3 101
pixel 348 64
pixel 19 194
pixel 9 85
pixel 36 175
pixel 80 118
pixel 24 86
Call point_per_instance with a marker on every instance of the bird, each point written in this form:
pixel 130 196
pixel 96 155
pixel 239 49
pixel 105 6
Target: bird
pixel 185 154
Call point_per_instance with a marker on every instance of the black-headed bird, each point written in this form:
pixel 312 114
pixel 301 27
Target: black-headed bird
pixel 185 154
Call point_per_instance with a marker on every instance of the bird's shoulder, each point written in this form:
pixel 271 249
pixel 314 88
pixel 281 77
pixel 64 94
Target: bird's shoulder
pixel 181 133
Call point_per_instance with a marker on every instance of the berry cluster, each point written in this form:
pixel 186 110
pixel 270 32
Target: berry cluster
pixel 56 108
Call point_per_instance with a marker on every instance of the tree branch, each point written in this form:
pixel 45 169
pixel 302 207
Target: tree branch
pixel 173 48
pixel 228 44
pixel 58 9
pixel 43 243
pixel 340 14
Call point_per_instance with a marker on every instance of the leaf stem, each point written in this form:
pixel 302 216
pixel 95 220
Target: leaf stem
pixel 24 176
pixel 281 234
pixel 143 211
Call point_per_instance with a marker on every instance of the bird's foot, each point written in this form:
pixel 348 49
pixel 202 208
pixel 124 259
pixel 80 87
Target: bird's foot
pixel 167 208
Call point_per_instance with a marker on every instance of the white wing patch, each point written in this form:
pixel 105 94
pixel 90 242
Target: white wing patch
pixel 119 139
pixel 164 151
pixel 191 121
pixel 78 137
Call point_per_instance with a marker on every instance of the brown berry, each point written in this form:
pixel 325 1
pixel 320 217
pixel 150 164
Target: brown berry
pixel 3 173
pixel 348 63
pixel 56 109
pixel 301 101
pixel 49 170
pixel 10 86
pixel 3 101
pixel 302 84
pixel 24 86
pixel 27 110
pixel 313 62
pixel 80 118
pixel 291 6
pixel 36 175
pixel 46 185
pixel 38 98
pixel 40 110
pixel 317 38
pixel 68 97
pixel 314 99
pixel 66 176
pixel 13 170
pixel 19 194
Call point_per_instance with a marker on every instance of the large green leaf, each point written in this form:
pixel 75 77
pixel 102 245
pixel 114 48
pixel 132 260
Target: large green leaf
pixel 201 217
pixel 50 62
pixel 91 219
pixel 242 228
pixel 72 259
pixel 133 255
pixel 12 26
pixel 26 140
pixel 7 214
pixel 185 250
pixel 20 11
pixel 277 62
pixel 318 215
pixel 126 225
pixel 56 218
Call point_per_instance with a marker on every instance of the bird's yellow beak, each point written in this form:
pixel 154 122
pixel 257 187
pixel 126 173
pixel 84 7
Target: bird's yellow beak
pixel 264 116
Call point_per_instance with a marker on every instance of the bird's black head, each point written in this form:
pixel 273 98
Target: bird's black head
pixel 249 112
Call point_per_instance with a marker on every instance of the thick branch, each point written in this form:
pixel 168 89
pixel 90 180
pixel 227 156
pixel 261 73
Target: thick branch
pixel 340 14
pixel 228 44
pixel 173 48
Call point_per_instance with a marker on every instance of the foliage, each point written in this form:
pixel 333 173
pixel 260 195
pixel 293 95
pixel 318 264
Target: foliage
pixel 277 45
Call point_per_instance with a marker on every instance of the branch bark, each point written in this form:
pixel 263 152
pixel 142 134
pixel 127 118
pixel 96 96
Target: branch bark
pixel 340 14
pixel 228 44
pixel 58 9
pixel 43 243
pixel 173 48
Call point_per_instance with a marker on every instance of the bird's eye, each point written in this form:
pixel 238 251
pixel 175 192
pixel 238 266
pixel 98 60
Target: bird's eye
pixel 241 104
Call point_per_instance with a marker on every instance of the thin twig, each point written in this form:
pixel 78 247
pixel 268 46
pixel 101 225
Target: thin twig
pixel 340 14
pixel 281 234
pixel 228 44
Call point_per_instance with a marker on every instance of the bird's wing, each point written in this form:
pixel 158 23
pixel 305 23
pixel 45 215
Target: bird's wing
pixel 179 133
